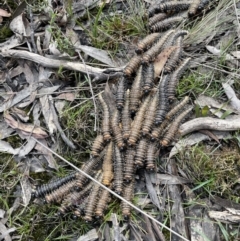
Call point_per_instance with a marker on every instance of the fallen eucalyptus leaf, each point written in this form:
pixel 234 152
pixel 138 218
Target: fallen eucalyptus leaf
pixel 26 190
pixel 217 52
pixel 6 147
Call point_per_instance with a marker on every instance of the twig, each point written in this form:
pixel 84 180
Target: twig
pixel 158 231
pixel 32 30
pixel 149 228
pixel 112 192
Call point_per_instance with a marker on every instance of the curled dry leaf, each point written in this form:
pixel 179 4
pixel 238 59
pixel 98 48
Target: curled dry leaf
pixel 26 190
pixel 5 232
pixel 26 129
pixel 225 216
pixel 6 147
pixel 217 52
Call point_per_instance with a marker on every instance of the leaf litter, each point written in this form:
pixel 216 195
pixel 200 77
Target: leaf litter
pixel 42 122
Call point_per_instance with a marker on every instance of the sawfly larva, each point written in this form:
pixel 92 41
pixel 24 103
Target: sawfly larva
pixel 118 170
pixel 132 65
pixel 126 120
pixel 79 211
pixel 146 42
pixel 107 166
pixel 129 167
pixel 105 119
pixel 148 77
pixel 175 78
pixel 156 18
pixel 151 157
pixel 141 151
pixel 151 53
pixel 168 137
pixel 193 8
pixel 120 93
pixel 97 146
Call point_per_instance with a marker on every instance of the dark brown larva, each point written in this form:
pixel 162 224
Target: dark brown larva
pixel 193 8
pixel 126 120
pixel 168 137
pixel 177 108
pixel 79 211
pixel 146 42
pixel 92 201
pixel 120 93
pixel 141 151
pixel 133 65
pixel 163 101
pixel 151 157
pixel 118 170
pixel 102 203
pixel 150 115
pixel 127 195
pixel 58 194
pixel 151 54
pixel 156 18
pixel 156 132
pixel 174 58
pixel 97 146
pixel 166 24
pixel 137 123
pixel 148 77
pixel 175 78
pixel 53 185
pixel 105 119
pixel 107 165
pixel 203 4
pixel 129 167
pixel 117 133
pixel 136 92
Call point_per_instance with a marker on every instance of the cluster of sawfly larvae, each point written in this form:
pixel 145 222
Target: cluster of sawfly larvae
pixel 144 121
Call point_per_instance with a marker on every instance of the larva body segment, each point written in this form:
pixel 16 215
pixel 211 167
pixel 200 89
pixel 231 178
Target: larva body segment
pixel 117 133
pixel 133 65
pixel 175 78
pixel 129 167
pixel 97 146
pixel 53 185
pixel 203 4
pixel 174 58
pixel 128 193
pixel 141 151
pixel 168 137
pixel 156 132
pixel 120 93
pixel 136 92
pixel 137 123
pixel 126 120
pixel 150 115
pixel 102 203
pixel 163 101
pixel 79 211
pixel 177 108
pixel 146 42
pixel 107 165
pixel 151 156
pixel 193 8
pixel 165 24
pixel 151 53
pixel 172 7
pixel 148 77
pixel 156 18
pixel 92 201
pixel 118 170
pixel 105 120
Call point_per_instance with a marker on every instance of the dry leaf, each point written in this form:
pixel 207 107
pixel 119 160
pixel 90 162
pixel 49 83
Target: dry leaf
pixel 5 232
pixel 236 54
pixel 217 52
pixel 26 190
pixel 6 147
pixel 162 59
pixel 20 26
pixel 67 96
pixel 4 13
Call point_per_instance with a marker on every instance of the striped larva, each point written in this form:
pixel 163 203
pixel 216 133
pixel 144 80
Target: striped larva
pixel 174 58
pixel 141 152
pixel 175 78
pixel 102 203
pixel 92 201
pixel 137 123
pixel 163 101
pixel 79 211
pixel 177 108
pixel 126 120
pixel 151 156
pixel 168 137
pixel 107 166
pixel 118 170
pixel 136 92
pixel 148 77
pixel 132 65
pixel 146 42
pixel 127 195
pixel 53 185
pixel 120 93
pixel 105 120
pixel 151 53
pixel 193 8
pixel 203 4
pixel 150 115
pixel 58 194
pixel 156 18
pixel 165 24
pixel 117 133
pixel 97 146
pixel 129 167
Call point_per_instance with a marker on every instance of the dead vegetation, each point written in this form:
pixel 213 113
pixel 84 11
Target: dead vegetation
pixel 55 60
